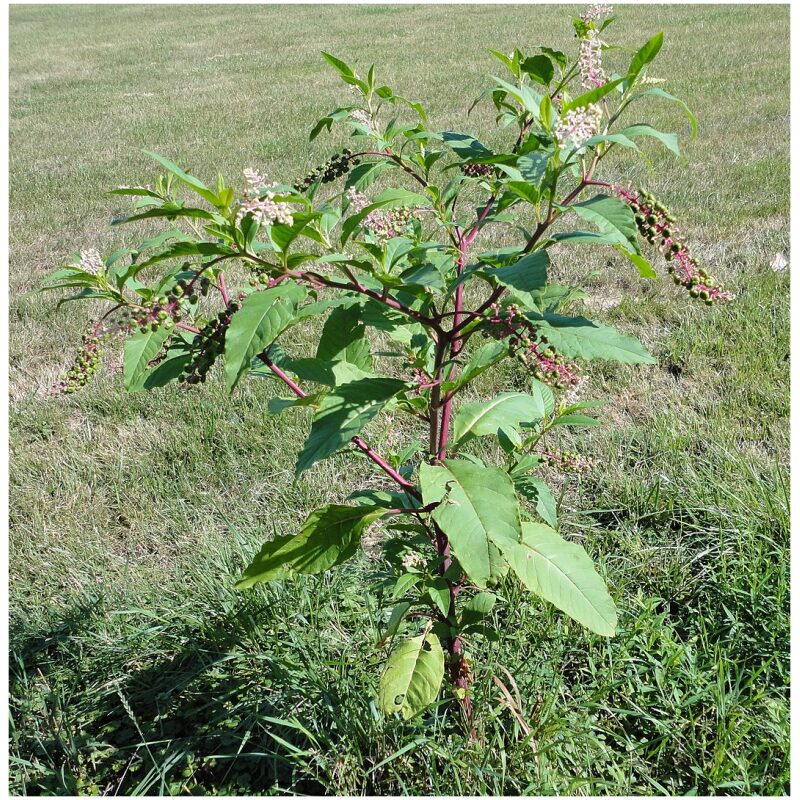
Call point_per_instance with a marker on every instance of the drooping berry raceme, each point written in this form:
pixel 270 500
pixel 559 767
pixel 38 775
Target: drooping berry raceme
pixel 209 344
pixel 534 353
pixel 337 165
pixel 477 170
pixel 579 125
pixel 167 310
pixel 86 361
pixel 657 225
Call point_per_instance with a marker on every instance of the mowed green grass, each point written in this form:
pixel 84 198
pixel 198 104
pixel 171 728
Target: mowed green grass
pixel 137 669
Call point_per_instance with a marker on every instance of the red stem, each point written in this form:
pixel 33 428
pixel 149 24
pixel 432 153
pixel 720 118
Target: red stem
pixel 356 440
pixel 222 289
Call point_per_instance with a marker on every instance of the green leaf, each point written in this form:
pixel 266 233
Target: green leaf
pixel 395 619
pixel 669 140
pixel 528 275
pixel 412 677
pixel 614 219
pixel 591 96
pixel 506 410
pixel 643 57
pixel 577 337
pixel 640 262
pixel 528 99
pixel 616 138
pixel 140 349
pixel 169 369
pixel 477 607
pixel 466 146
pixel 439 593
pixel 482 359
pixel 405 582
pixel 576 419
pixel 540 69
pixel 347 74
pixel 656 92
pixel 538 493
pixel 476 504
pixel 261 319
pixel 557 56
pixel 533 166
pixel 343 338
pixel 171 212
pixel 186 249
pixel 343 413
pixel 330 536
pixel 562 573
pixel 364 175
pixel 185 177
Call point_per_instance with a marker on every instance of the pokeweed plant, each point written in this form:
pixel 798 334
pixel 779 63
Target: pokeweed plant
pixel 405 265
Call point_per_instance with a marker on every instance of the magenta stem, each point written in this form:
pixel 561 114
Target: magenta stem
pixel 356 440
pixel 222 289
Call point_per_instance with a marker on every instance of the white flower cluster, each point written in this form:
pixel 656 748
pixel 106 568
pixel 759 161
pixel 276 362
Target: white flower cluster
pixel 264 210
pixel 596 11
pixel 413 560
pixel 255 182
pixel 578 125
pixel 91 261
pixel 590 56
pixel 363 117
pixel 358 201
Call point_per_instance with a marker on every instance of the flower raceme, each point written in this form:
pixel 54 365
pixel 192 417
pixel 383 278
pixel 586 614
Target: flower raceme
pixel 594 12
pixel 590 61
pixel 260 202
pixel 579 125
pixel 91 261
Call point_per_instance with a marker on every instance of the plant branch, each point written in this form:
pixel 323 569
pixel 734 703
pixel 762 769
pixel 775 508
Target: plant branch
pixel 356 440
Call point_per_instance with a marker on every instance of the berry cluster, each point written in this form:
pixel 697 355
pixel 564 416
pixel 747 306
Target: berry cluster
pixel 262 280
pixel 537 356
pixel 333 168
pixel 85 365
pixel 567 461
pixel 477 170
pixel 168 309
pixel 657 225
pixel 209 344
pixel 388 223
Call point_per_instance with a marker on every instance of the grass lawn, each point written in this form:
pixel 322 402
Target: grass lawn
pixel 135 666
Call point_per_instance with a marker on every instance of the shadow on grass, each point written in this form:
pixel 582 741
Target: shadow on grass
pixel 182 721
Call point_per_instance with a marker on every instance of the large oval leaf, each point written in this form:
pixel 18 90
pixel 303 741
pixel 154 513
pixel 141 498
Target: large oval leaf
pixel 476 504
pixel 413 676
pixel 561 572
pixel 613 218
pixel 344 412
pixel 578 337
pixel 140 349
pixel 261 319
pixel 329 536
pixel 507 410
